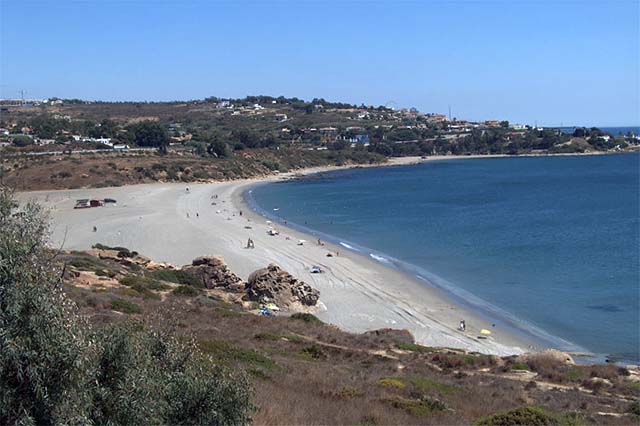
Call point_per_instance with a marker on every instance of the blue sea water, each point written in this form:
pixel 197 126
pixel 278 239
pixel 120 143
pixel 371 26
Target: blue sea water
pixel 552 241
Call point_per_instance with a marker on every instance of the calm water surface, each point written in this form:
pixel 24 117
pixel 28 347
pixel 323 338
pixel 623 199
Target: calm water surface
pixel 553 242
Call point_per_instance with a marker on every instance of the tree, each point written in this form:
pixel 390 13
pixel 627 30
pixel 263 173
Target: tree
pixel 148 133
pixel 44 346
pixel 248 138
pixel 217 148
pixel 54 369
pixel 22 140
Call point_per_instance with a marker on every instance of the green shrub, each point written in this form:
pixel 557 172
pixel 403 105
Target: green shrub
pixel 519 366
pixel 266 336
pixel 186 290
pixel 144 285
pixel 348 392
pixel 422 407
pixel 530 416
pixel 84 261
pixel 390 382
pixel 226 353
pixel 99 246
pixel 125 306
pixel 308 318
pixel 44 367
pixel 313 352
pixel 150 378
pixel 406 346
pixel 55 370
pixel 107 273
pixel 177 276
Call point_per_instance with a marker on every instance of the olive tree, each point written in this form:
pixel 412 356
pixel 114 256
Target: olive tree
pixel 54 369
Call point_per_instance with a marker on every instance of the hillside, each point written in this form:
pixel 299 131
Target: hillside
pixel 307 372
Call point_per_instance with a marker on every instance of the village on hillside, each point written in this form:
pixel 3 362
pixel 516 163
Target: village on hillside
pixel 49 126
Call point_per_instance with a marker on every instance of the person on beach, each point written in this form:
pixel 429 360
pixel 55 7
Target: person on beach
pixel 187 215
pixel 240 212
pixel 197 214
pixel 95 229
pixel 462 326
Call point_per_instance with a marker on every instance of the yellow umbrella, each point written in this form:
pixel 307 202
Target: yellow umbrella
pixel 485 331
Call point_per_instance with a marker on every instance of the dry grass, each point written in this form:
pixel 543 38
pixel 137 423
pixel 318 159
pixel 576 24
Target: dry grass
pixel 315 374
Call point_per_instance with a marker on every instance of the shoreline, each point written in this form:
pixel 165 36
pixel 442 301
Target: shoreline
pixel 526 335
pixel 358 293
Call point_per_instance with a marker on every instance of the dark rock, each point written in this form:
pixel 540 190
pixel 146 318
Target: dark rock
pixel 213 272
pixel 275 285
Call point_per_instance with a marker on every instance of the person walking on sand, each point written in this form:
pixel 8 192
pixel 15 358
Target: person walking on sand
pixel 462 326
pixel 197 214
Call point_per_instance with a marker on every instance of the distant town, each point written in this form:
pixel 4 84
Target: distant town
pixel 43 125
pixel 70 143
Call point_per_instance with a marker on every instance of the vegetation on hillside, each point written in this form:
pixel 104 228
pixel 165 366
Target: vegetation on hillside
pixel 55 368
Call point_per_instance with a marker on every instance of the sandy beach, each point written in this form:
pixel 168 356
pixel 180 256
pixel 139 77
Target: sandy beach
pixel 168 223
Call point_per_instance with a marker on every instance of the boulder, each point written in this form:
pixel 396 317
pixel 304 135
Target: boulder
pixel 275 285
pixel 213 272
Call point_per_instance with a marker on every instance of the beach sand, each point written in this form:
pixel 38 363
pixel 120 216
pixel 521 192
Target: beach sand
pixel 168 223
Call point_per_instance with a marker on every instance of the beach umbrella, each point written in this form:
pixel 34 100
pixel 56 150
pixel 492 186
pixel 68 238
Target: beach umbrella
pixel 485 331
pixel 272 306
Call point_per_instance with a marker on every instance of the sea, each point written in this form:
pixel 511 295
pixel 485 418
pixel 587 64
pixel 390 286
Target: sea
pixel 544 246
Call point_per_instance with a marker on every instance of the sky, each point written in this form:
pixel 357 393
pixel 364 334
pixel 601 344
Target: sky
pixel 549 62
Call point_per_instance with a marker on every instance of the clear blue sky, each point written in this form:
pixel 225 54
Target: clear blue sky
pixel 574 62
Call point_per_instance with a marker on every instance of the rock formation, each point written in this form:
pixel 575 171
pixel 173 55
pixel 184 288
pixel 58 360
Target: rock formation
pixel 275 285
pixel 213 272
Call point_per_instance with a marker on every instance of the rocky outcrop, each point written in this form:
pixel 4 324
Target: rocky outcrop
pixel 213 272
pixel 123 257
pixel 275 285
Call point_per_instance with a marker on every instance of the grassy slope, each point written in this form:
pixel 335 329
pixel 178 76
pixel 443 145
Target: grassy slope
pixel 312 373
pixel 117 169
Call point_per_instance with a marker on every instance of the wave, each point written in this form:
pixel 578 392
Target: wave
pixel 458 295
pixel 347 246
pixel 380 259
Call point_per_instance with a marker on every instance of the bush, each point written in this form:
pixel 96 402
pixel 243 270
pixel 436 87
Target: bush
pixel 186 290
pixel 390 382
pixel 308 318
pixel 44 346
pixel 55 370
pixel 177 276
pixel 530 416
pixel 125 306
pixel 418 407
pixel 313 352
